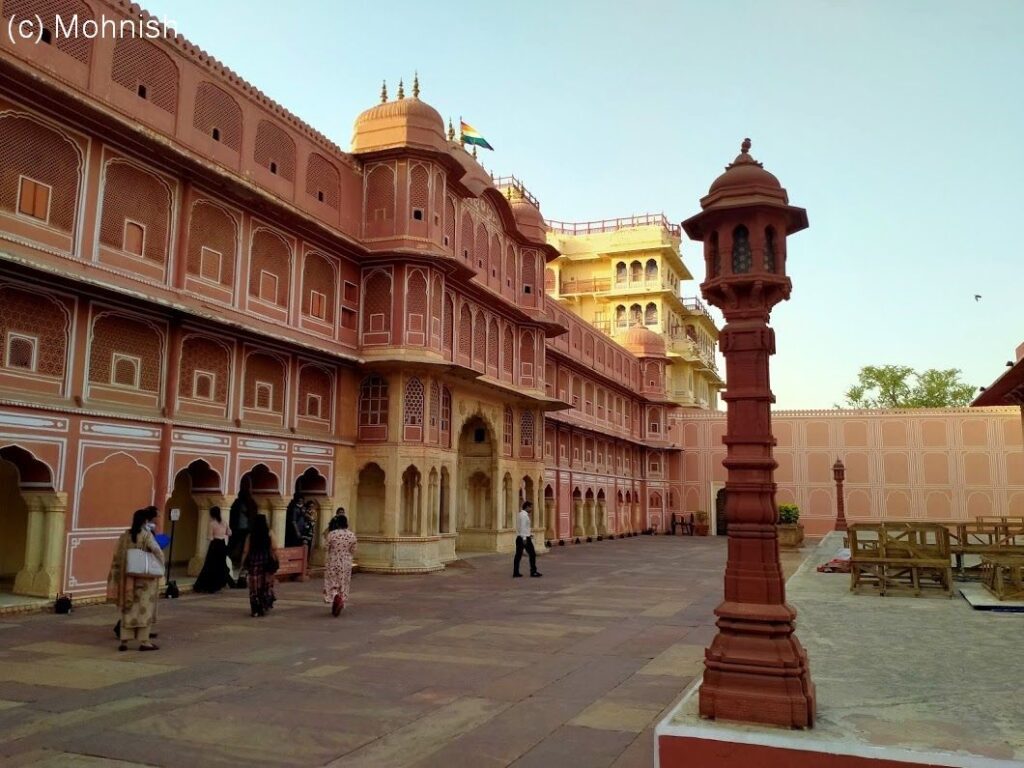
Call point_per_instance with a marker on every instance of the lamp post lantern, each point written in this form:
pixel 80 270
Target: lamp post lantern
pixel 755 669
pixel 839 474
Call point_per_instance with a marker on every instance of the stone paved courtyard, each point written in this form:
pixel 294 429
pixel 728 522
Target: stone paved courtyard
pixel 465 667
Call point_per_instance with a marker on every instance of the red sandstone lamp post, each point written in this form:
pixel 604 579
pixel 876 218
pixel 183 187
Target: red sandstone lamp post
pixel 755 670
pixel 839 474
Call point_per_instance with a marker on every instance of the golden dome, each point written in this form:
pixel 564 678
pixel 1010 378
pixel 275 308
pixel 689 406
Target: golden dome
pixel 644 342
pixel 403 122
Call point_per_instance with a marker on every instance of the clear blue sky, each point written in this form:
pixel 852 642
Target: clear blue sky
pixel 898 125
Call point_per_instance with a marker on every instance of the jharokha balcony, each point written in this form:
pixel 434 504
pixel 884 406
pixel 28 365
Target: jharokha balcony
pixel 569 286
pixel 614 225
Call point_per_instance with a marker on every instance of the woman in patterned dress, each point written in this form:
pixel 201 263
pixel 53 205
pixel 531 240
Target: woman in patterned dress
pixel 135 597
pixel 341 548
pixel 259 560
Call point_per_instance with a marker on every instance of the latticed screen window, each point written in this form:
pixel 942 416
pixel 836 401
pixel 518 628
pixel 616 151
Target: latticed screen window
pixel 742 259
pixel 446 412
pixel 203 385
pixel 414 403
pixel 21 352
pixel 526 429
pixel 209 264
pixel 125 370
pixel 769 249
pixel 134 238
pixel 34 199
pixel 264 396
pixel 507 436
pixel 373 402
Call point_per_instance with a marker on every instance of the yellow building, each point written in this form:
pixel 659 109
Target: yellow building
pixel 620 273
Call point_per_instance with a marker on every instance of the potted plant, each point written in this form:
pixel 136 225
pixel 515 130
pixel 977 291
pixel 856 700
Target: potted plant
pixel 700 523
pixel 791 533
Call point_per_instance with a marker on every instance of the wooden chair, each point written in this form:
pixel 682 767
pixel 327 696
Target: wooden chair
pixel 894 557
pixel 685 521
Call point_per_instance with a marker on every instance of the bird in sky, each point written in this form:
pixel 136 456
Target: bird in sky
pixel 977 297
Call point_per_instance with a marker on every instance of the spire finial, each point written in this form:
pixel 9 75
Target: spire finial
pixel 745 147
pixel 451 130
pixel 401 90
pixel 383 91
pixel 415 84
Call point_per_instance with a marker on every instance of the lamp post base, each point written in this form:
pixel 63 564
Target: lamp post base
pixel 756 670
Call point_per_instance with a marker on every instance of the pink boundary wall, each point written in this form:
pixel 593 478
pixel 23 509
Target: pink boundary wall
pixel 928 464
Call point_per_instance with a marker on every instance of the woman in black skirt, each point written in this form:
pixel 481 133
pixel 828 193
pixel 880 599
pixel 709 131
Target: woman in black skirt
pixel 215 574
pixel 261 564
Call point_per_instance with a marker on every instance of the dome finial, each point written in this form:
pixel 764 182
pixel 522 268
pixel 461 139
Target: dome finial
pixel 451 130
pixel 745 147
pixel 415 84
pixel 384 92
pixel 401 89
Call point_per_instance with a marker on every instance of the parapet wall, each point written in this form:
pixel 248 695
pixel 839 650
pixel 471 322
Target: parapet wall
pixel 927 464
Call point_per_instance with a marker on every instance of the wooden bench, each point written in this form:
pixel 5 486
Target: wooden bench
pixel 292 563
pixel 1003 576
pixel 685 521
pixel 900 557
pixel 987 536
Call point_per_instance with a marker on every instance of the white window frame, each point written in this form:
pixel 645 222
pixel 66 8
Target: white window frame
pixel 33 340
pixel 264 273
pixel 49 200
pixel 119 357
pixel 213 385
pixel 124 238
pixel 202 265
pixel 323 296
pixel 310 396
pixel 256 396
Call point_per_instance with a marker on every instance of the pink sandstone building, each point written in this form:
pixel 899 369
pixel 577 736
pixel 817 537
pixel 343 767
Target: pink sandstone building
pixel 199 293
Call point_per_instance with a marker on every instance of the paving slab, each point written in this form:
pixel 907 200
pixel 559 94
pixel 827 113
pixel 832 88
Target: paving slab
pixel 463 667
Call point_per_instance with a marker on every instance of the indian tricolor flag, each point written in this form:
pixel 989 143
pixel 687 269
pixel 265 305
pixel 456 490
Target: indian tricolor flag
pixel 471 135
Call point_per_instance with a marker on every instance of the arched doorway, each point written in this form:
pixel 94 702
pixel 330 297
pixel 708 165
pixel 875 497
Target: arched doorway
pixel 311 487
pixel 526 494
pixel 25 558
pixel 370 500
pixel 255 487
pixel 721 521
pixel 588 515
pixel 477 518
pixel 433 517
pixel 509 502
pixel 602 515
pixel 190 530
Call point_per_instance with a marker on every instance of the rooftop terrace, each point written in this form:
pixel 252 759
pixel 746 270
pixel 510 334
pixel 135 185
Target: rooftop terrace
pixel 613 225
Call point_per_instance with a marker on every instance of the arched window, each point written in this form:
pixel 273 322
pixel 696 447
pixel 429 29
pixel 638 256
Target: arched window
pixel 636 272
pixel 651 271
pixel 714 256
pixel 651 314
pixel 526 433
pixel 620 273
pixel 620 316
pixel 636 315
pixel 742 259
pixel 275 150
pixel 373 409
pixel 446 417
pixel 769 249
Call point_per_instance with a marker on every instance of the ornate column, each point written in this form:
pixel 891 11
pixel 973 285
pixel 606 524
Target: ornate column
pixel 549 519
pixel 48 579
pixel 577 518
pixel 278 518
pixel 35 537
pixel 755 669
pixel 839 474
pixel 602 525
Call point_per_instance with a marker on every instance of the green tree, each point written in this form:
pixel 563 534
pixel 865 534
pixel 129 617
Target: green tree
pixel 899 386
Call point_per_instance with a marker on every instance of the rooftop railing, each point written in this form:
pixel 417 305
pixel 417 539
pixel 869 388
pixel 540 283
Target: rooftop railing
pixel 506 183
pixel 613 225
pixel 693 304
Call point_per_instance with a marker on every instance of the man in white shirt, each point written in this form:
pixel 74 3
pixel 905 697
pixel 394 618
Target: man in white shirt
pixel 524 540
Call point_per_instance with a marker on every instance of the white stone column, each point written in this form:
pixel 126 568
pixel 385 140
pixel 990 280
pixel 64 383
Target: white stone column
pixel 24 582
pixel 48 581
pixel 278 519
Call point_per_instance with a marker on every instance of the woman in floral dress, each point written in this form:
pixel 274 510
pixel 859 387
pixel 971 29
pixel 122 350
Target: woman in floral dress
pixel 341 549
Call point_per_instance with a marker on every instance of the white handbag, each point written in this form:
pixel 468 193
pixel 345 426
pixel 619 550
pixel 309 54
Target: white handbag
pixel 143 564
